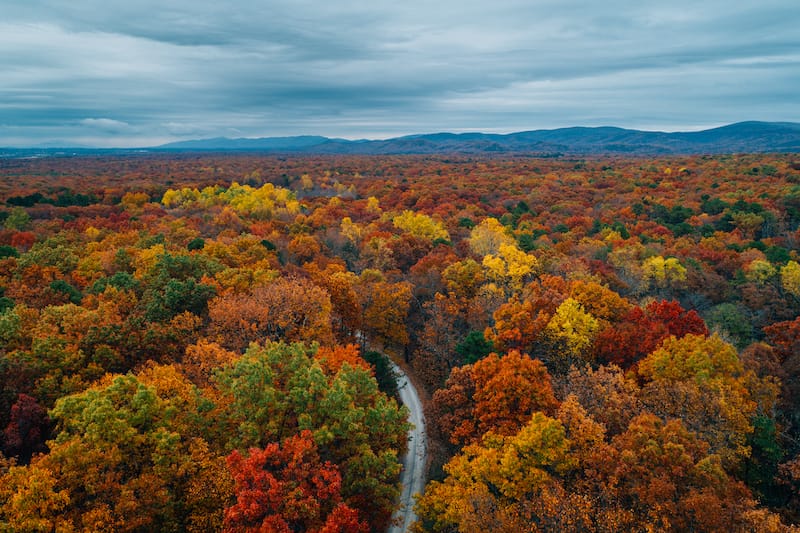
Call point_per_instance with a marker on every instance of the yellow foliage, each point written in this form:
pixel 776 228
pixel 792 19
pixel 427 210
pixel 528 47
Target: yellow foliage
pixel 180 197
pixel 32 501
pixel 662 272
pixel 702 381
pixel 600 301
pixel 92 233
pixel 511 265
pixel 692 357
pixel 759 271
pixel 748 223
pixel 501 473
pixel 420 225
pixel 486 237
pixel 790 278
pixel 350 231
pixel 573 326
pixel 373 206
pixel 147 259
pixel 263 202
pixel 134 200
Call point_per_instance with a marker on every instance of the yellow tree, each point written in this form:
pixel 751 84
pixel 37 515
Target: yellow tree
pixel 661 272
pixel 500 484
pixel 760 271
pixel 420 225
pixel 702 381
pixel 486 237
pixel 510 266
pixel 790 278
pixel 570 333
pixel 600 301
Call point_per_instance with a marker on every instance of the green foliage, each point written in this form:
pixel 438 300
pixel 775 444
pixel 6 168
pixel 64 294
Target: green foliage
pixel 120 280
pixel 175 297
pixel 730 320
pixel 384 375
pixel 196 244
pixel 466 222
pixel 713 206
pixel 474 347
pixel 8 251
pixel 760 470
pixel 18 219
pixel 72 294
pixel 55 251
pixel 10 323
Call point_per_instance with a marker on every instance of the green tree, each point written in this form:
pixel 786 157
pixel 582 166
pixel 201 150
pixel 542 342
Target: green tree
pixel 18 219
pixel 276 391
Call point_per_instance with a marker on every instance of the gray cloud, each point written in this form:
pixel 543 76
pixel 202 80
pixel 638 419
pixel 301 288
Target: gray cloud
pixel 115 73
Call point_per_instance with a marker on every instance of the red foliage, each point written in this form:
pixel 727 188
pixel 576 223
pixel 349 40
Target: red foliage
pixel 23 240
pixel 28 429
pixel 641 331
pixel 286 487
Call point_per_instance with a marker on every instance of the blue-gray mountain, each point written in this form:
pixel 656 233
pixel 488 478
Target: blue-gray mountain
pixel 742 137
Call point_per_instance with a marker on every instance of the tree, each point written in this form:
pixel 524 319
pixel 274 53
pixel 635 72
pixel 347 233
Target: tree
pixel 497 484
pixel 332 359
pixel 517 325
pixel 785 337
pixel 286 487
pixel 497 394
pixel 474 347
pixel 510 266
pixel 31 501
pixel 290 309
pixel 790 278
pixel 277 391
pixel 445 321
pixel 487 237
pixel 664 474
pixel 463 278
pixel 642 330
pixel 345 306
pixel 601 302
pixel 384 307
pixel 608 395
pixel 18 219
pixel 27 431
pixel 123 456
pixel 663 273
pixel 570 332
pixel 420 225
pixel 702 382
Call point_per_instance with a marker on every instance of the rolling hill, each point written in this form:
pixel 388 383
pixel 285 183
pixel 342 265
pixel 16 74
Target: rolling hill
pixel 734 138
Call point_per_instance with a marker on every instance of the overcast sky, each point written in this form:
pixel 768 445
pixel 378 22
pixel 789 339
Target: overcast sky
pixel 145 72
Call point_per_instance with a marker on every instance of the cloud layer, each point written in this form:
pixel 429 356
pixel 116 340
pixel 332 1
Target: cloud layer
pixel 114 73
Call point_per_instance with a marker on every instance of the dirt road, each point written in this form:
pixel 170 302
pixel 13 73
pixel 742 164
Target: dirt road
pixel 414 461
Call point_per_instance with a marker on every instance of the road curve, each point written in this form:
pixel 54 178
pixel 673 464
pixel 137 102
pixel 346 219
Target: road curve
pixel 412 477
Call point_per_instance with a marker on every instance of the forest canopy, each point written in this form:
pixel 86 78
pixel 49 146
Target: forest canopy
pixel 199 343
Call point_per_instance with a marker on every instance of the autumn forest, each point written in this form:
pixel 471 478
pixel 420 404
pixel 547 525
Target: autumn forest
pixel 203 342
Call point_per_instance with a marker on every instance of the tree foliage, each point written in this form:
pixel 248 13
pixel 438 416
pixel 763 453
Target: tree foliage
pixel 147 322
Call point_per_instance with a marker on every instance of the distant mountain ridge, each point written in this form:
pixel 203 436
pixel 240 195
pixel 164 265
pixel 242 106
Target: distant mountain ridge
pixel 742 137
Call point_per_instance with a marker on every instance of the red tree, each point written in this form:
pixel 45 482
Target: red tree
pixel 286 487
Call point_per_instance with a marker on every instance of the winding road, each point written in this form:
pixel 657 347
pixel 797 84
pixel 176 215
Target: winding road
pixel 413 475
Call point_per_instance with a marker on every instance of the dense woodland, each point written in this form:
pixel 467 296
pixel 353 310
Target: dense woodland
pixel 198 343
